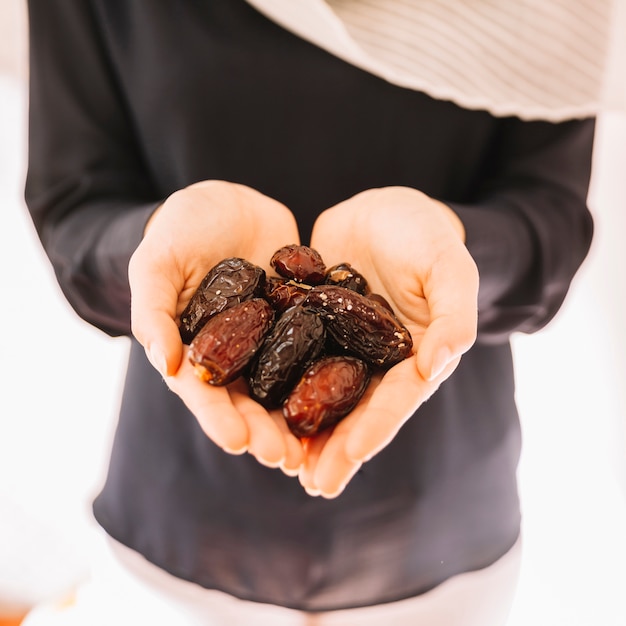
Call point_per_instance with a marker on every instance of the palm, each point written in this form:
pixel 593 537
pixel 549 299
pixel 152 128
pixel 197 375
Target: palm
pixel 404 245
pixel 196 228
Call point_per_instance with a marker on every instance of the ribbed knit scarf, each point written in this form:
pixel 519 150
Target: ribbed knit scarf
pixel 535 59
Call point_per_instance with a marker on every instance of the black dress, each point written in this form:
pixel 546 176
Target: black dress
pixel 131 101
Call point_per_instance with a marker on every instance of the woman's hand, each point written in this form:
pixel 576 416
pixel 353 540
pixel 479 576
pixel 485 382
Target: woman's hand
pixel 192 230
pixel 411 250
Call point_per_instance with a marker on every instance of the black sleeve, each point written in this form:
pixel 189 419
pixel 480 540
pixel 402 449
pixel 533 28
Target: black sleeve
pixel 86 188
pixel 528 227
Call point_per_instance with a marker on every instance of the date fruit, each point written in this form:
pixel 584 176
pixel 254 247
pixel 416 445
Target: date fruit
pixel 361 326
pixel 326 393
pixel 296 339
pixel 226 344
pixel 283 293
pixel 228 283
pixel 299 263
pixel 346 276
pixel 381 300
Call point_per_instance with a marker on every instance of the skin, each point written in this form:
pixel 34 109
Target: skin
pixel 408 246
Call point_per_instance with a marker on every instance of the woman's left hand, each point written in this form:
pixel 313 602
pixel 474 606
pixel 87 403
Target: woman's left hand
pixel 411 250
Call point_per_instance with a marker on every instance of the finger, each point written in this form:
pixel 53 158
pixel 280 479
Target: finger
pixel 213 408
pixel 399 394
pixel 266 441
pixel 334 469
pixel 270 441
pixel 163 345
pixel 153 314
pixel 312 450
pixel 294 457
pixel 327 469
pixel 451 291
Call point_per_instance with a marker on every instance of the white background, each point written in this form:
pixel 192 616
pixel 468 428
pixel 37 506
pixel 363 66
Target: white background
pixel 60 383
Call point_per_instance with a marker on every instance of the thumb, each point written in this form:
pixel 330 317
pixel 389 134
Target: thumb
pixel 153 314
pixel 452 294
pixel 162 344
pixel 443 343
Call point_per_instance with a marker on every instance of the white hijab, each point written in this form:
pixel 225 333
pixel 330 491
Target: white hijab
pixel 536 59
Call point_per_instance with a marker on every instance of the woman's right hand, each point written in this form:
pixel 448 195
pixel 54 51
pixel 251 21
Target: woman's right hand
pixel 190 232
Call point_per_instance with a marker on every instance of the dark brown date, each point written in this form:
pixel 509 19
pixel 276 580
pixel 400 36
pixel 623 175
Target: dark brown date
pixel 326 393
pixel 361 326
pixel 283 293
pixel 381 300
pixel 299 263
pixel 228 283
pixel 229 340
pixel 346 276
pixel 296 339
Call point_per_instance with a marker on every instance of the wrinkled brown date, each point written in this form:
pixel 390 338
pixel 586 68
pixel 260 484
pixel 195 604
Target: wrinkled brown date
pixel 283 293
pixel 296 339
pixel 228 283
pixel 346 276
pixel 229 340
pixel 300 263
pixel 329 389
pixel 360 325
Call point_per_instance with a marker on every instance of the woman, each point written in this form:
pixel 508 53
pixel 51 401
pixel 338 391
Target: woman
pixel 166 137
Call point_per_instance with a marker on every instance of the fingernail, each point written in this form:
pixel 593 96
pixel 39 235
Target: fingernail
pixel 329 495
pixel 290 471
pixel 236 451
pixel 443 356
pixel 266 463
pixel 157 358
pixel 313 492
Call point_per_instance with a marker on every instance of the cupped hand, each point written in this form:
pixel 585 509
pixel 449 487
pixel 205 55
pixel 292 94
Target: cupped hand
pixel 411 250
pixel 192 230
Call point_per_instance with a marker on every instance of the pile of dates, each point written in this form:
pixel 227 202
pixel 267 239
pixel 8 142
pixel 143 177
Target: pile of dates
pixel 306 341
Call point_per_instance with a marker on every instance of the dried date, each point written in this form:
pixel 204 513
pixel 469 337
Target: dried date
pixel 228 283
pixel 229 340
pixel 344 275
pixel 299 263
pixel 283 293
pixel 360 325
pixel 381 300
pixel 296 339
pixel 329 389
